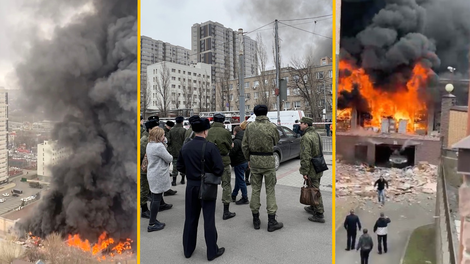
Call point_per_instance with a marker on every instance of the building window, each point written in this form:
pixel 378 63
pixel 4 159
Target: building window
pixel 173 86
pixel 189 73
pixel 194 74
pixel 275 106
pixel 256 96
pixel 173 70
pixel 173 78
pixel 247 107
pixel 330 74
pixel 287 105
pixel 287 79
pixel 255 84
pixel 319 75
pixel 297 104
pixel 288 91
pixel 179 71
pixel 247 95
pixel 230 86
pixel 247 85
pixel 231 97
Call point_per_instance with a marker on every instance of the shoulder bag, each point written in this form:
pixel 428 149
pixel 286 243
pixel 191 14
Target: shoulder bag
pixel 189 138
pixel 318 162
pixel 309 195
pixel 209 182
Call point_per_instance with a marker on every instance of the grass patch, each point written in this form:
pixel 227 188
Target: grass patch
pixel 422 246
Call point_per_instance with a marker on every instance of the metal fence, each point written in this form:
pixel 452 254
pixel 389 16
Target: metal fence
pixel 327 144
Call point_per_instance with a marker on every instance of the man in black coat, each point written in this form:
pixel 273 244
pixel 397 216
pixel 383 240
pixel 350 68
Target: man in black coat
pixel 351 223
pixel 190 163
pixel 381 229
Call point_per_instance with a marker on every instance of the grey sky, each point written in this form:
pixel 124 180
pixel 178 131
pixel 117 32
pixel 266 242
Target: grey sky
pixel 171 21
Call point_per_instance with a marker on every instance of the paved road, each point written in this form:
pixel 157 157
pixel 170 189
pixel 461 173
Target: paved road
pixel 300 241
pixel 14 202
pixel 405 218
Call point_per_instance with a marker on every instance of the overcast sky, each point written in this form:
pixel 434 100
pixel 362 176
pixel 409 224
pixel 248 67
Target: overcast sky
pixel 171 21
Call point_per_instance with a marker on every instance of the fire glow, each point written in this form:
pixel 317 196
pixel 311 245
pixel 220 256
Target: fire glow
pixel 404 103
pixel 105 245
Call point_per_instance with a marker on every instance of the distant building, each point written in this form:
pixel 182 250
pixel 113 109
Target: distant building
pixel 49 154
pixel 3 135
pixel 188 88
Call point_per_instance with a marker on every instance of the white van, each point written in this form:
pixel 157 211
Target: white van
pixel 287 117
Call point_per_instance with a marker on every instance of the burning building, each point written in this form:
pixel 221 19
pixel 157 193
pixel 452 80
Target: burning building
pixel 392 62
pixel 85 74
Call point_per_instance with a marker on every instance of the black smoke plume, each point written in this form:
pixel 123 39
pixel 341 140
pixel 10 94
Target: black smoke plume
pixel 388 37
pixel 87 72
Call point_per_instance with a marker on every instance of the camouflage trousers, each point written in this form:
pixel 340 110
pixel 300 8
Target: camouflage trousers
pixel 227 185
pixel 174 172
pixel 315 179
pixel 270 181
pixel 144 189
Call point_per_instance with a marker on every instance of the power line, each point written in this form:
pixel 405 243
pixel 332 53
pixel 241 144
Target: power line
pixel 305 18
pixel 249 32
pixel 306 31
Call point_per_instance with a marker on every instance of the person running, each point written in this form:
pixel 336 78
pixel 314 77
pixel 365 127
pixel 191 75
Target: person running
pixel 381 183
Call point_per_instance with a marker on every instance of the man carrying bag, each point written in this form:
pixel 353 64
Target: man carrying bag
pixel 196 159
pixel 312 166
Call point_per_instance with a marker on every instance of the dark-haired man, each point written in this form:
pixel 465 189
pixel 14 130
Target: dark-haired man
pixel 175 143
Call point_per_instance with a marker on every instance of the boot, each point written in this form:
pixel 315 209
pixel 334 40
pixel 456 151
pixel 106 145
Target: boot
pixel 227 213
pixel 317 217
pixel 182 179
pixel 155 227
pixel 256 221
pixel 310 209
pixel 243 200
pixel 164 207
pixel 170 192
pixel 273 225
pixel 173 183
pixel 145 213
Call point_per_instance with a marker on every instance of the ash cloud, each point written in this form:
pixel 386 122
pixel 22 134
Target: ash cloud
pixel 87 72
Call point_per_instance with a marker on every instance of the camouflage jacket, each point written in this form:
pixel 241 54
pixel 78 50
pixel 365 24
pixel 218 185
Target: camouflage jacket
pixel 188 133
pixel 143 145
pixel 176 139
pixel 222 139
pixel 309 148
pixel 166 132
pixel 260 136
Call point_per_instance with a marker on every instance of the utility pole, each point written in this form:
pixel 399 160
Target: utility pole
pixel 241 76
pixel 276 41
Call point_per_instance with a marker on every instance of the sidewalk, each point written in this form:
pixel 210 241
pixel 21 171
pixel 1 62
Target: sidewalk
pixel 404 219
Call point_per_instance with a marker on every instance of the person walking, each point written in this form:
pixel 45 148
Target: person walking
pixel 327 128
pixel 258 145
pixel 220 136
pixel 243 125
pixel 157 170
pixel 309 148
pixel 381 183
pixel 351 224
pixel 239 165
pixel 381 229
pixel 190 163
pixel 365 245
pixel 175 143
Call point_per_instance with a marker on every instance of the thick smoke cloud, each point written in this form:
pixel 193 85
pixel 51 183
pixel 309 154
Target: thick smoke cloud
pixel 388 37
pixel 88 72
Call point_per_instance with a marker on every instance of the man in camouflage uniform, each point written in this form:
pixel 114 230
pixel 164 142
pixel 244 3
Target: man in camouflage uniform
pixel 175 143
pixel 309 148
pixel 168 126
pixel 223 140
pixel 258 144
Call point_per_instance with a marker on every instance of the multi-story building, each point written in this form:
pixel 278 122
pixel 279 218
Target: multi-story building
pixel 177 89
pixel 261 89
pixel 50 154
pixel 3 134
pixel 214 44
pixel 153 51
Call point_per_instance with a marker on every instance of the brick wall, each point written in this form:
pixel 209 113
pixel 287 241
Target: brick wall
pixel 457 126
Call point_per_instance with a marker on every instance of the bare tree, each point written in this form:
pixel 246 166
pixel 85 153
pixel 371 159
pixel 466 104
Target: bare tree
pixel 203 94
pixel 163 90
pixel 265 85
pixel 146 99
pixel 187 93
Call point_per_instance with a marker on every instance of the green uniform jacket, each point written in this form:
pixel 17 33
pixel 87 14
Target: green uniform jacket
pixel 260 136
pixel 166 132
pixel 176 139
pixel 309 148
pixel 143 145
pixel 188 133
pixel 222 139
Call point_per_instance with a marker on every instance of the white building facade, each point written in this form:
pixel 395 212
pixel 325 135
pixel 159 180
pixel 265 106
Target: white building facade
pixel 181 87
pixel 50 154
pixel 3 135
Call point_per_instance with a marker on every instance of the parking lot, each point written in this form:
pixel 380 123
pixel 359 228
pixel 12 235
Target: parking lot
pixel 12 202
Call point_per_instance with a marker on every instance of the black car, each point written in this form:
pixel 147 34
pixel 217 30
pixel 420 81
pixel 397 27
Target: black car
pixel 288 146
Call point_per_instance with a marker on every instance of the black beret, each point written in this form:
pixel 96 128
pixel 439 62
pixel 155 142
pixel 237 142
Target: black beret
pixel 179 119
pixel 200 124
pixel 218 117
pixel 170 123
pixel 151 124
pixel 260 110
pixel 154 118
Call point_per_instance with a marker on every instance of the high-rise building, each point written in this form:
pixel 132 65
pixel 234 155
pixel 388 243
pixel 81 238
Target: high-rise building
pixel 3 135
pixel 49 154
pixel 153 51
pixel 214 44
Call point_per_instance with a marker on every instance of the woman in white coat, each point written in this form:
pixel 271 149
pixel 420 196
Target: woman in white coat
pixel 157 174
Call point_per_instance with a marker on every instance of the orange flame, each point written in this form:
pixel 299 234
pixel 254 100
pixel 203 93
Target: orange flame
pixel 103 245
pixel 405 103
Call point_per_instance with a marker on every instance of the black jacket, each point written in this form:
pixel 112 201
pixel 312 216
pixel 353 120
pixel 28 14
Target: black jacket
pixel 190 157
pixel 351 223
pixel 236 153
pixel 381 184
pixel 381 226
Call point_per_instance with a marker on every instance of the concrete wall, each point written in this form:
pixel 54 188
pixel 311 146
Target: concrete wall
pixel 429 150
pixel 6 225
pixel 457 126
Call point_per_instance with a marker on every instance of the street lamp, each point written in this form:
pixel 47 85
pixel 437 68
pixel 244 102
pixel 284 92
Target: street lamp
pixel 449 87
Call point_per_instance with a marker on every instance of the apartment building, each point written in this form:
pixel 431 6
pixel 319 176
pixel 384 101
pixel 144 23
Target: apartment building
pixel 261 89
pixel 186 88
pixel 3 134
pixel 49 154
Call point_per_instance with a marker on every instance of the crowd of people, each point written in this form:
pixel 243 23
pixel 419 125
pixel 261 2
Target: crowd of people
pixel 206 148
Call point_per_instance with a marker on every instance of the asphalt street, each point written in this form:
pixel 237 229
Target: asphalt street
pixel 14 202
pixel 300 241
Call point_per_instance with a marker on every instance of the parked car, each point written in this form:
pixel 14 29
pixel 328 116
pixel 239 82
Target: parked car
pixel 288 146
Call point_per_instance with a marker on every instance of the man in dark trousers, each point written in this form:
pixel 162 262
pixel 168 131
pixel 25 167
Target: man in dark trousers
pixel 351 224
pixel 190 163
pixel 365 245
pixel 240 165
pixel 175 143
pixel 381 183
pixel 381 229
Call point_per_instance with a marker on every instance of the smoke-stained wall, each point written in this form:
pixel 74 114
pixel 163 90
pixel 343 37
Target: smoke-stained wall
pixel 87 72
